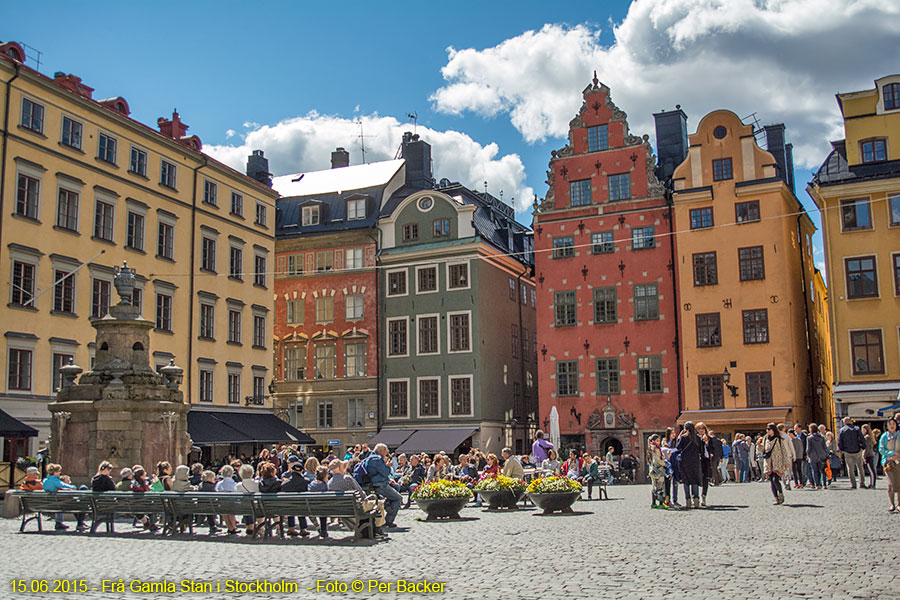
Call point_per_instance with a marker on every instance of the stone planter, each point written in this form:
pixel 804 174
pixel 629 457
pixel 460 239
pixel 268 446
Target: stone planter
pixel 555 502
pixel 441 508
pixel 498 499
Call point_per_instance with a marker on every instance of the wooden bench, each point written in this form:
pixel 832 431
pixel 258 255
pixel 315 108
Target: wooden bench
pixel 181 506
pixel 36 503
pixel 108 505
pixel 344 505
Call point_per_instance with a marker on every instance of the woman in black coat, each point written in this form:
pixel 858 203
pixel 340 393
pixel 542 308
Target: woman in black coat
pixel 690 448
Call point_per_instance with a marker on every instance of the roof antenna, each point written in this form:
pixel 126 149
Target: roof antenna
pixel 485 190
pixel 362 140
pixel 414 117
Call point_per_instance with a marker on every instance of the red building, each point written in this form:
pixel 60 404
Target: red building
pixel 606 296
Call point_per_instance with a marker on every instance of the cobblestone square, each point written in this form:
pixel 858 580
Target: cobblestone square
pixel 834 543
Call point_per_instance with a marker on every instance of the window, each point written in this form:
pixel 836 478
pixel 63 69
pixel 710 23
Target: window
pixel 236 262
pixel 722 169
pixel 261 214
pixel 138 162
pixel 862 278
pixel 398 392
pixel 167 174
pixel 355 359
pixel 428 335
pixel 649 374
pixel 709 330
pixel 567 378
pixel 426 279
pixel 701 218
pixel 597 138
pixel 620 187
pixel 23 283
pixel 100 298
pixel 526 345
pixel 514 339
pixel 894 208
pixel 460 396
pixel 103 221
pixel 580 192
pixel 165 240
pixel 71 133
pixel 28 193
pixel 524 294
pixel 234 388
pixel 512 289
pixel 310 216
pixel 56 379
pixel 759 389
pixel 354 307
pixel 397 340
pixel 607 375
pixel 410 232
pixel 896 259
pixel 325 361
pixel 397 283
pixel 354 258
pixel 326 415
pixel 602 242
pixel 429 397
pixel 564 309
pixel 259 331
pixel 210 192
pixel 705 269
pixel 563 247
pixel 134 237
pixel 106 148
pixel 32 116
pixel 324 310
pixel 295 265
pixel 458 276
pixel 137 299
pixel 751 263
pixel 64 292
pixel 441 227
pixel 19 374
pixel 356 413
pixel 259 272
pixel 207 321
pixel 605 305
pixel 746 212
pixel 891 95
pixel 867 352
pixel 711 391
pixel 234 326
pixel 646 302
pixel 164 312
pixel 67 210
pixel 324 261
pixel 208 254
pixel 295 363
pixel 459 333
pixel 856 214
pixel 756 326
pixel 206 385
pixel 873 150
pixel 641 238
pixel 237 204
pixel 356 209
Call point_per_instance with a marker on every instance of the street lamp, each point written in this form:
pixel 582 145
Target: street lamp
pixel 260 400
pixel 726 380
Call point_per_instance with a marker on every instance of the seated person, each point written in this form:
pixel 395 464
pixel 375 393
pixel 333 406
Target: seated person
pixel 32 482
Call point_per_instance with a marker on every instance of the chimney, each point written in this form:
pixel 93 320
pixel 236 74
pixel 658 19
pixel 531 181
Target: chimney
pixel 258 168
pixel 73 84
pixel 783 154
pixel 417 154
pixel 671 141
pixel 340 158
pixel 174 129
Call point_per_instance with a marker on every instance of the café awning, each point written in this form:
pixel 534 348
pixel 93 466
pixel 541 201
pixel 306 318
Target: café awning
pixel 738 416
pixel 437 439
pixel 11 427
pixel 208 428
pixel 392 438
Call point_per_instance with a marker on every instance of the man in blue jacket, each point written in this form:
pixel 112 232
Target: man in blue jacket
pixel 380 478
pixel 852 443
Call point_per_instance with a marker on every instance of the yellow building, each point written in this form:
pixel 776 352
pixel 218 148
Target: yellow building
pixel 824 373
pixel 857 189
pixel 744 262
pixel 84 187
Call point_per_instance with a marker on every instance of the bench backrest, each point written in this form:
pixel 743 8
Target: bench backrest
pixel 200 503
pixel 311 504
pixel 128 503
pixel 54 502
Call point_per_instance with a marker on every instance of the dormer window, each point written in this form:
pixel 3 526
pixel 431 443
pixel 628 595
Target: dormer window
pixel 873 150
pixel 598 138
pixel 356 209
pixel 310 215
pixel 722 169
pixel 891 95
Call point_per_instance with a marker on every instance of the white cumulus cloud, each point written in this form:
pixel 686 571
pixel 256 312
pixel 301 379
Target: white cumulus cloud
pixel 305 143
pixel 781 59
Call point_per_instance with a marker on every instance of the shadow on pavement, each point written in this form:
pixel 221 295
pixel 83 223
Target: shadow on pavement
pixel 576 513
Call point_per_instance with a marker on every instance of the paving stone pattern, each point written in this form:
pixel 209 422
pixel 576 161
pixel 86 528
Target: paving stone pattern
pixel 836 543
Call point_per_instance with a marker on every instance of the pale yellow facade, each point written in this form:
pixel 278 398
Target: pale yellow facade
pixel 824 410
pixel 857 190
pixel 84 188
pixel 744 262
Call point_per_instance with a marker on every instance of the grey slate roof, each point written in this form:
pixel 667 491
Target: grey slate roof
pixel 835 170
pixel 332 212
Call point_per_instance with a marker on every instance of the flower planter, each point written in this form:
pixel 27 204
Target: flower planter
pixel 441 508
pixel 554 502
pixel 498 499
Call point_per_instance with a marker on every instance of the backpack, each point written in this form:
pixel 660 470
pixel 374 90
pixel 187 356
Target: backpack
pixel 675 464
pixel 361 474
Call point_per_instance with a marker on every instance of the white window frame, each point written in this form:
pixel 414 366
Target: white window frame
pixel 164 180
pixel 355 203
pixel 364 357
pixel 307 214
pixel 212 384
pixel 324 299
pixel 359 405
pixel 204 237
pixel 437 331
pixel 170 294
pixel 115 140
pixel 168 221
pixel 234 372
pixel 449 337
pixel 101 198
pixel 210 307
pixel 234 308
pixel 298 302
pixel 264 222
pixel 362 308
pixel 387 282
pixel 23 170
pixel 30 346
pixel 437 279
pixel 387 330
pixel 139 151
pixel 210 192
pixel 71 188
pixel 239 274
pixel 63 349
pixel 357 259
pixel 468 275
pixel 61 264
pixel 471 379
pixel 62 131
pixel 25 257
pixel 240 204
pixel 419 414
pixel 97 275
pixel 387 411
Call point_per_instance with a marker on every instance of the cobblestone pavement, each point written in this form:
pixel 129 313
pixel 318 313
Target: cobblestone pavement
pixel 834 543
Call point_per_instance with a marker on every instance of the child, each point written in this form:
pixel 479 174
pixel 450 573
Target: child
pixel 657 472
pixel 32 481
pixel 321 485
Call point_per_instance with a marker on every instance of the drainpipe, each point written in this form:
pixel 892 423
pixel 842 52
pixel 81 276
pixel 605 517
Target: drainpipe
pixel 809 353
pixel 521 350
pixel 5 136
pixel 671 207
pixel 379 378
pixel 190 365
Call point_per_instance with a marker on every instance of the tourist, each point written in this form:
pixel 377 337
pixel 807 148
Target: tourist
pixel 797 465
pixel 716 450
pixel 611 459
pixel 493 467
pixel 777 460
pixel 706 467
pixel 869 454
pixel 294 482
pixel 438 469
pixel 321 485
pixel 56 482
pixel 413 476
pixel 657 469
pixel 541 448
pixel 752 446
pixel 723 464
pixel 572 467
pixel 379 476
pixel 127 477
pixel 590 473
pixel 140 484
pixel 889 448
pixel 511 465
pixel 816 454
pixel 102 482
pixel 690 448
pixel 853 444
pixel 741 452
pixel 32 481
pixel 181 481
pixel 550 465
pixel 525 461
pixel 208 484
pixel 310 467
pixel 163 481
pixel 673 477
pixel 196 477
pixel 227 485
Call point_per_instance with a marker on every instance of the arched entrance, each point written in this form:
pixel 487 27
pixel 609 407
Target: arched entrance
pixel 614 442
